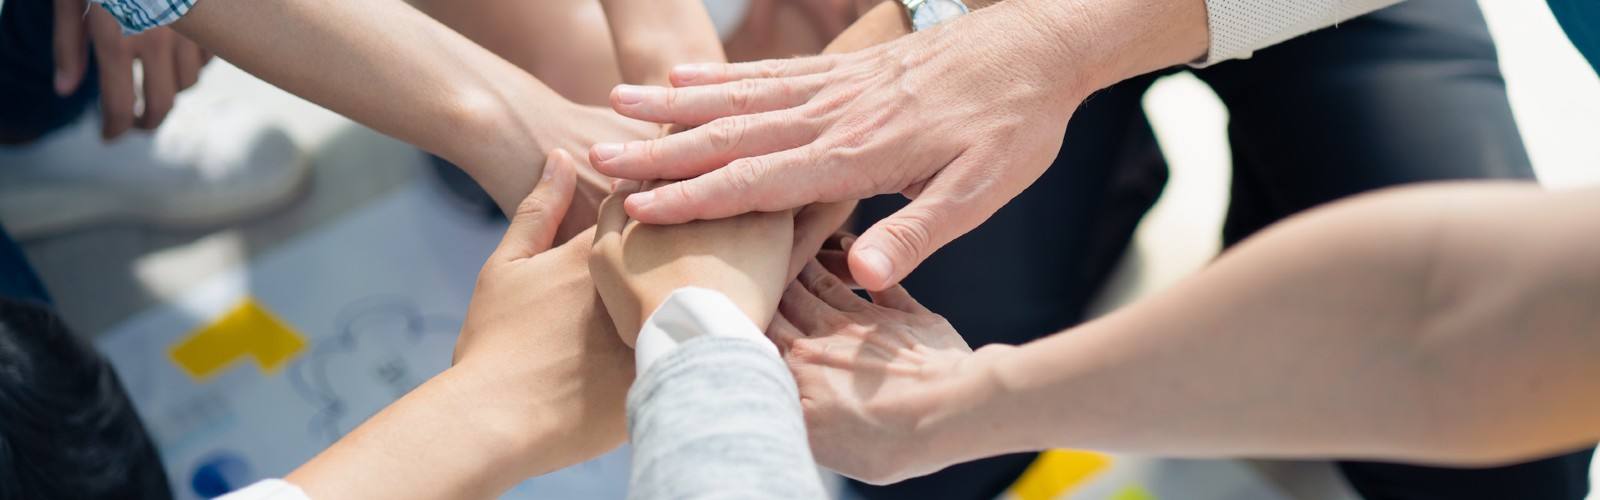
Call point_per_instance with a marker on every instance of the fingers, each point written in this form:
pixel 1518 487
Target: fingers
pixel 612 216
pixel 947 208
pixel 533 227
pixel 71 43
pixel 830 289
pixel 815 228
pixel 160 78
pixel 187 60
pixel 689 75
pixel 700 105
pixel 835 258
pixel 783 334
pixel 695 152
pixel 896 297
pixel 805 311
pixel 116 71
pixel 771 183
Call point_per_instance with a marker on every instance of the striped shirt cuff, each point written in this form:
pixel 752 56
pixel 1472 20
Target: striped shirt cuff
pixel 138 16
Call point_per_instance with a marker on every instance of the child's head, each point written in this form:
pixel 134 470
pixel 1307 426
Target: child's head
pixel 67 429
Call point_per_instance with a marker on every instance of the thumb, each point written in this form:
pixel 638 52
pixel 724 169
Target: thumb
pixel 947 208
pixel 71 45
pixel 533 226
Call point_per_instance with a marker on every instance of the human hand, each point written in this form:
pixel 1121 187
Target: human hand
pixel 636 266
pixel 537 330
pixel 171 63
pixel 879 381
pixel 585 126
pixel 975 132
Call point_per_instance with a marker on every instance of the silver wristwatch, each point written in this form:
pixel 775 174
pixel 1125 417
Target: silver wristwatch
pixel 929 13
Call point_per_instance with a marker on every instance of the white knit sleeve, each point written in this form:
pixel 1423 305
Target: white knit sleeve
pixel 1240 27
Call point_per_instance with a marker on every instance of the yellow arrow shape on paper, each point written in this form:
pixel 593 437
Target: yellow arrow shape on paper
pixel 249 329
pixel 1057 471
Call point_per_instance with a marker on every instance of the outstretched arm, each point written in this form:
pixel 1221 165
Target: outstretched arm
pixel 537 383
pixel 1455 323
pixel 388 66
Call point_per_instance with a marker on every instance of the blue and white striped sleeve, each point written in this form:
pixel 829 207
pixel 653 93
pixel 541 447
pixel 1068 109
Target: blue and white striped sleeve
pixel 137 16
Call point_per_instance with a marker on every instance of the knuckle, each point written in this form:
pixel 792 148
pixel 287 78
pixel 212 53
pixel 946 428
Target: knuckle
pixel 532 208
pixel 670 101
pixel 742 95
pixel 771 68
pixel 654 152
pixel 680 198
pixel 744 175
pixel 804 351
pixel 726 134
pixel 910 233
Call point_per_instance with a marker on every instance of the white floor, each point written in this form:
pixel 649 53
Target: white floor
pixel 103 276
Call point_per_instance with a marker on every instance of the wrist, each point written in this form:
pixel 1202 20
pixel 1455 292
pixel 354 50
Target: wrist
pixel 496 135
pixel 1089 45
pixel 967 427
pixel 510 433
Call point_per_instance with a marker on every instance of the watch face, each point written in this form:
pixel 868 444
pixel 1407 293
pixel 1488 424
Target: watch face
pixel 933 12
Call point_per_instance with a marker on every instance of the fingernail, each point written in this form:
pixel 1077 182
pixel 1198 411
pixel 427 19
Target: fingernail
pixel 630 94
pixel 64 84
pixel 878 264
pixel 606 151
pixel 550 163
pixel 686 72
pixel 642 200
pixel 844 243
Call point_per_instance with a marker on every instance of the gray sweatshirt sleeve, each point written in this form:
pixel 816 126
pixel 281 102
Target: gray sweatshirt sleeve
pixel 719 417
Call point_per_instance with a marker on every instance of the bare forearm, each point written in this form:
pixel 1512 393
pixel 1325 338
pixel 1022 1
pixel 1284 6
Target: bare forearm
pixel 1448 324
pixel 382 63
pixel 652 36
pixel 439 441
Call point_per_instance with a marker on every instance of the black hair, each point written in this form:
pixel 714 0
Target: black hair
pixel 67 429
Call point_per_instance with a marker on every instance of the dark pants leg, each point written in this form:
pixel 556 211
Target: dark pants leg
pixel 17 280
pixel 1409 94
pixel 29 106
pixel 1406 95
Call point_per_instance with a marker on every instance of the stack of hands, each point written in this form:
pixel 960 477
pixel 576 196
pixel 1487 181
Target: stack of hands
pixel 551 327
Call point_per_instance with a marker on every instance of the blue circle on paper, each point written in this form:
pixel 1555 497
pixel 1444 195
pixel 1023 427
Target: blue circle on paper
pixel 220 473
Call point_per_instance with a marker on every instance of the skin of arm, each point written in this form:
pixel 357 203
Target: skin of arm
pixel 955 117
pixel 652 36
pixel 538 381
pixel 1452 324
pixel 386 65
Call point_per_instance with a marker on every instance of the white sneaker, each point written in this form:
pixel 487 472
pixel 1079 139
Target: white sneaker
pixel 209 164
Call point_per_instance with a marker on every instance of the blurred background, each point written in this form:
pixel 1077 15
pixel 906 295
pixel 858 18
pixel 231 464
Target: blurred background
pixel 106 276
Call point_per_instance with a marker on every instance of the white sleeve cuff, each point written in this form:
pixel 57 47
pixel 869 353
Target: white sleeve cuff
pixel 268 489
pixel 689 313
pixel 1240 27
